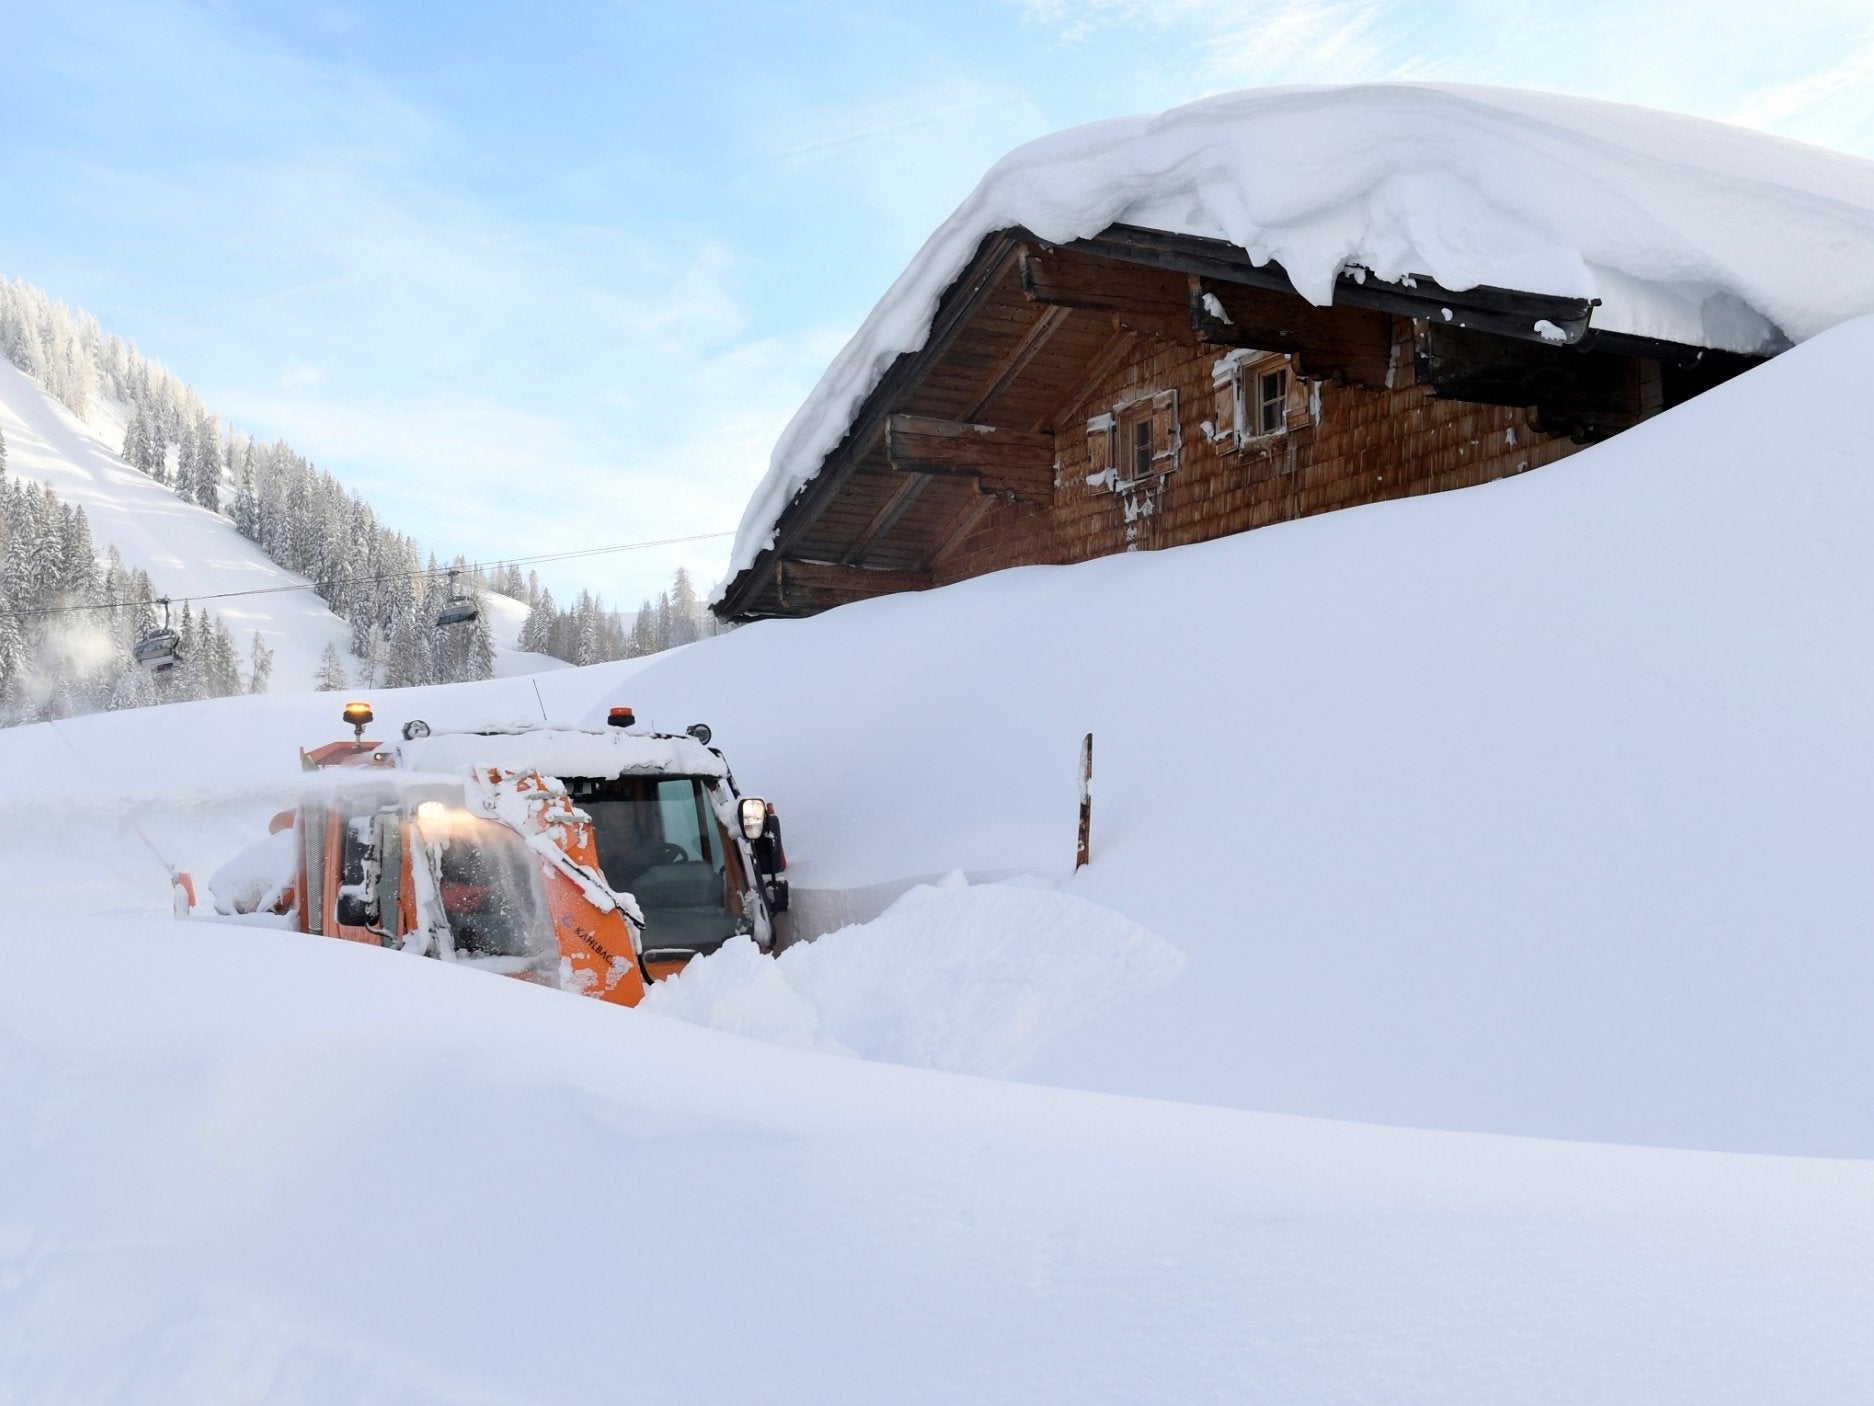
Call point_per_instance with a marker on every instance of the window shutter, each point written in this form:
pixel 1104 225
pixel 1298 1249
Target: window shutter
pixel 1167 439
pixel 1099 447
pixel 1228 392
pixel 1300 399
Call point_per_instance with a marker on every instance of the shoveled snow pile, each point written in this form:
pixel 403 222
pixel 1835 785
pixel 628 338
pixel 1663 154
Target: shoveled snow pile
pixel 973 980
pixel 1685 229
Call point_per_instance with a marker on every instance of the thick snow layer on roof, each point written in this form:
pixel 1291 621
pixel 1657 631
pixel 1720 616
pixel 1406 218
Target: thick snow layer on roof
pixel 1686 230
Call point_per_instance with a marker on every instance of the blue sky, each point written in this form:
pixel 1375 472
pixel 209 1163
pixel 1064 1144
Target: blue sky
pixel 537 278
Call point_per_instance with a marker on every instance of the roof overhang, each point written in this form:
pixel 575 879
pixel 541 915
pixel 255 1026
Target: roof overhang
pixel 1152 281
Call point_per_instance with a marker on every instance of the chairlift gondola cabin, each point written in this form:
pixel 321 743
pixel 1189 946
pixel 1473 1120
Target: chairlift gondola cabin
pixel 158 650
pixel 459 609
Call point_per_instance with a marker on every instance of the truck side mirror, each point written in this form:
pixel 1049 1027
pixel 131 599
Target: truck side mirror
pixel 754 817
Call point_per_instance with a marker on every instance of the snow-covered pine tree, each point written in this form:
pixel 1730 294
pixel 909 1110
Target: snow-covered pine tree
pixel 12 660
pixel 686 610
pixel 133 438
pixel 224 675
pixel 407 661
pixel 247 499
pixel 260 673
pixel 183 480
pixel 331 675
pixel 644 631
pixel 537 632
pixel 207 465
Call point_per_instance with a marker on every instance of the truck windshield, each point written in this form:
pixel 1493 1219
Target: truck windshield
pixel 491 893
pixel 660 841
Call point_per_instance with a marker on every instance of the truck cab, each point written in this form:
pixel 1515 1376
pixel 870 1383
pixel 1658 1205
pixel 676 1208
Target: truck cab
pixel 703 862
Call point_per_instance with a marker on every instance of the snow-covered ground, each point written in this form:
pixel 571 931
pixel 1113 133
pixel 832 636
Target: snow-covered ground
pixel 187 550
pixel 1537 808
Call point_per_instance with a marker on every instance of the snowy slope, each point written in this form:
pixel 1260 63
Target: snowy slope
pixel 187 550
pixel 1684 229
pixel 1539 807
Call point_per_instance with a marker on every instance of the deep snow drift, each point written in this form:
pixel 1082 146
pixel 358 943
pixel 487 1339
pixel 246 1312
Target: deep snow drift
pixel 1538 807
pixel 239 1165
pixel 1687 230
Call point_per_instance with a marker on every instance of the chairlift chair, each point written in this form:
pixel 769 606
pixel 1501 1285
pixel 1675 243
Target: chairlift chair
pixel 158 650
pixel 459 609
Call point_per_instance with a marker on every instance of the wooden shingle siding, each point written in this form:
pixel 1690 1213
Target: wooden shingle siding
pixel 1365 446
pixel 1017 434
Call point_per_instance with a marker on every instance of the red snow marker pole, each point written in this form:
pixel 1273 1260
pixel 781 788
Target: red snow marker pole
pixel 1086 803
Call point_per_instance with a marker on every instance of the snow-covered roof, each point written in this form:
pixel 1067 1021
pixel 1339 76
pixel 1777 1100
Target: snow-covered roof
pixel 1686 230
pixel 564 752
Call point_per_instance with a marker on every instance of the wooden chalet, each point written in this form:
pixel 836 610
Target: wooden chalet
pixel 1142 389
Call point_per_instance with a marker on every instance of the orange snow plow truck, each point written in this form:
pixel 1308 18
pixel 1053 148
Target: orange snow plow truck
pixel 589 861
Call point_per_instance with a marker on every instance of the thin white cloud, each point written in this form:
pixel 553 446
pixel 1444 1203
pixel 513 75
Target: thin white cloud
pixel 910 156
pixel 1806 71
pixel 494 384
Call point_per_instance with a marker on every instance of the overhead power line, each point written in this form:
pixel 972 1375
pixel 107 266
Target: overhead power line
pixel 362 580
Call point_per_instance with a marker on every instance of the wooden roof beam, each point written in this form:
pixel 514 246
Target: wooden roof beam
pixel 1507 312
pixel 1584 395
pixel 960 527
pixel 1136 298
pixel 1012 462
pixel 886 518
pixel 805 586
pixel 1032 342
pixel 1353 344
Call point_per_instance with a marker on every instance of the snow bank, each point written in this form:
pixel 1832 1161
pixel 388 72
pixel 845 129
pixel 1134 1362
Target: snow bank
pixel 256 878
pixel 1538 807
pixel 1685 229
pixel 973 980
pixel 245 1165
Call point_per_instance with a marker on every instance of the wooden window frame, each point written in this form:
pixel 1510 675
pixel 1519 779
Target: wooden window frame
pixel 1238 382
pixel 1159 411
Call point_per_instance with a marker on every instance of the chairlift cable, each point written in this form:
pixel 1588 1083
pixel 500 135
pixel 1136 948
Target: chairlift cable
pixel 366 580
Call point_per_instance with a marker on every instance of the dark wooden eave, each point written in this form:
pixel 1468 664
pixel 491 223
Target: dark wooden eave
pixel 963 426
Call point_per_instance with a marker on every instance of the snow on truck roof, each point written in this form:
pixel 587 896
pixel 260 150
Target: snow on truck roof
pixel 564 752
pixel 1687 230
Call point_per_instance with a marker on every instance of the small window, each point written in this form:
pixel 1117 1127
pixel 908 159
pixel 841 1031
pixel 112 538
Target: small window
pixel 1141 448
pixel 1271 402
pixel 1148 437
pixel 1258 396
